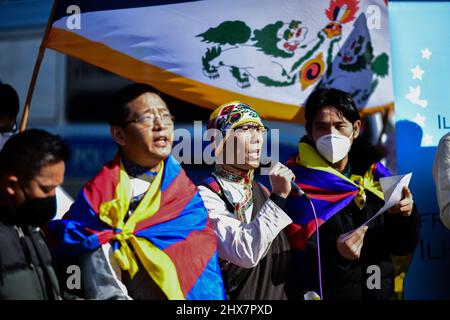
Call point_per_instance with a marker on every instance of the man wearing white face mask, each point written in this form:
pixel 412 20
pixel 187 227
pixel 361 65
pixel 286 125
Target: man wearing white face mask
pixel 340 172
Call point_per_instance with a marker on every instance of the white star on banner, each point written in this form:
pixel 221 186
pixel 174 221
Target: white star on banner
pixel 427 140
pixel 417 72
pixel 426 53
pixel 420 120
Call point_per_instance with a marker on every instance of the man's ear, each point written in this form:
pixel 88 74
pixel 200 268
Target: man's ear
pixel 10 185
pixel 356 128
pixel 118 135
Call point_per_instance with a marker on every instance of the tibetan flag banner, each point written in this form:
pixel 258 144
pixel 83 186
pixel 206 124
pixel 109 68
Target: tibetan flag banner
pixel 270 54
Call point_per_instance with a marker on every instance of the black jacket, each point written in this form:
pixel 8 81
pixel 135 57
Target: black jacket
pixel 389 234
pixel 26 271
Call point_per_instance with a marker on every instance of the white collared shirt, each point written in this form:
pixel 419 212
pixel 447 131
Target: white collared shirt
pixel 242 244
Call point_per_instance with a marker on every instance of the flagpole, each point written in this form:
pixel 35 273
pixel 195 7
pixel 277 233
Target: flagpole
pixel 37 66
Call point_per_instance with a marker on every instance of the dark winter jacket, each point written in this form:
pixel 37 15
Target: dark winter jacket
pixel 26 271
pixel 388 235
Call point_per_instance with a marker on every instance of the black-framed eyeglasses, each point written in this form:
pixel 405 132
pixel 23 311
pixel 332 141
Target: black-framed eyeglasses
pixel 251 129
pixel 149 119
pixel 9 128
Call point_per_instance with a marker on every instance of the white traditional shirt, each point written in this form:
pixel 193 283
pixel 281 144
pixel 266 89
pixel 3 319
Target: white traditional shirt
pixel 243 244
pixel 441 175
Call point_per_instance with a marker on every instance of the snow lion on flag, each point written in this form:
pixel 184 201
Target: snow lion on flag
pixel 278 54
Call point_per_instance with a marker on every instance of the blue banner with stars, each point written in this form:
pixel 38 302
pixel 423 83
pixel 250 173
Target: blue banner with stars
pixel 420 59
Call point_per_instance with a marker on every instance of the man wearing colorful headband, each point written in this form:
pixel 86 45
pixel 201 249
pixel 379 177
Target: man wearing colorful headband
pixel 248 220
pixel 340 173
pixel 139 227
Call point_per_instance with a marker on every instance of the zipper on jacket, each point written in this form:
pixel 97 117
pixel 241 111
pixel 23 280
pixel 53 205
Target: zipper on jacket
pixel 30 260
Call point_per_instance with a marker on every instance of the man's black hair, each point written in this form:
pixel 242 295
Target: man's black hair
pixel 9 101
pixel 119 111
pixel 340 100
pixel 27 152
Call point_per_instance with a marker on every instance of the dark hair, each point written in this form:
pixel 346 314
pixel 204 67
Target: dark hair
pixel 9 101
pixel 342 101
pixel 119 110
pixel 27 152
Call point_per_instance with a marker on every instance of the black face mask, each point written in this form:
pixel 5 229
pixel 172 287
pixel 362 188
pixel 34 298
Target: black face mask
pixel 36 212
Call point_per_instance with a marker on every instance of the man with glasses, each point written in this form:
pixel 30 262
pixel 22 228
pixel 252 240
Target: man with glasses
pixel 139 228
pixel 248 220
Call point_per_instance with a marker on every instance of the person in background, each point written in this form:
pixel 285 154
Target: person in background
pixel 31 167
pixel 247 218
pixel 441 175
pixel 9 109
pixel 340 173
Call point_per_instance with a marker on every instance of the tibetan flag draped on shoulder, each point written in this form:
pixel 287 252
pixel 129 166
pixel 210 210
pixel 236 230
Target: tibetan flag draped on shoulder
pixel 270 54
pixel 169 231
pixel 329 191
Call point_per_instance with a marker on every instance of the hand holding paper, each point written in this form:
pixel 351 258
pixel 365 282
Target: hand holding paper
pixel 397 199
pixel 394 188
pixel 404 206
pixel 349 244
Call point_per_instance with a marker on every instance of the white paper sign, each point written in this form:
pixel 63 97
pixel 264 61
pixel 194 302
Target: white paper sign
pixel 392 189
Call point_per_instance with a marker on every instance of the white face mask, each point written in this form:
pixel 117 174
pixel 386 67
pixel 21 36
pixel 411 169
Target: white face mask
pixel 333 147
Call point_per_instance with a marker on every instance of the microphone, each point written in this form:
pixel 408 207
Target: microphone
pixel 294 187
pixel 297 190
